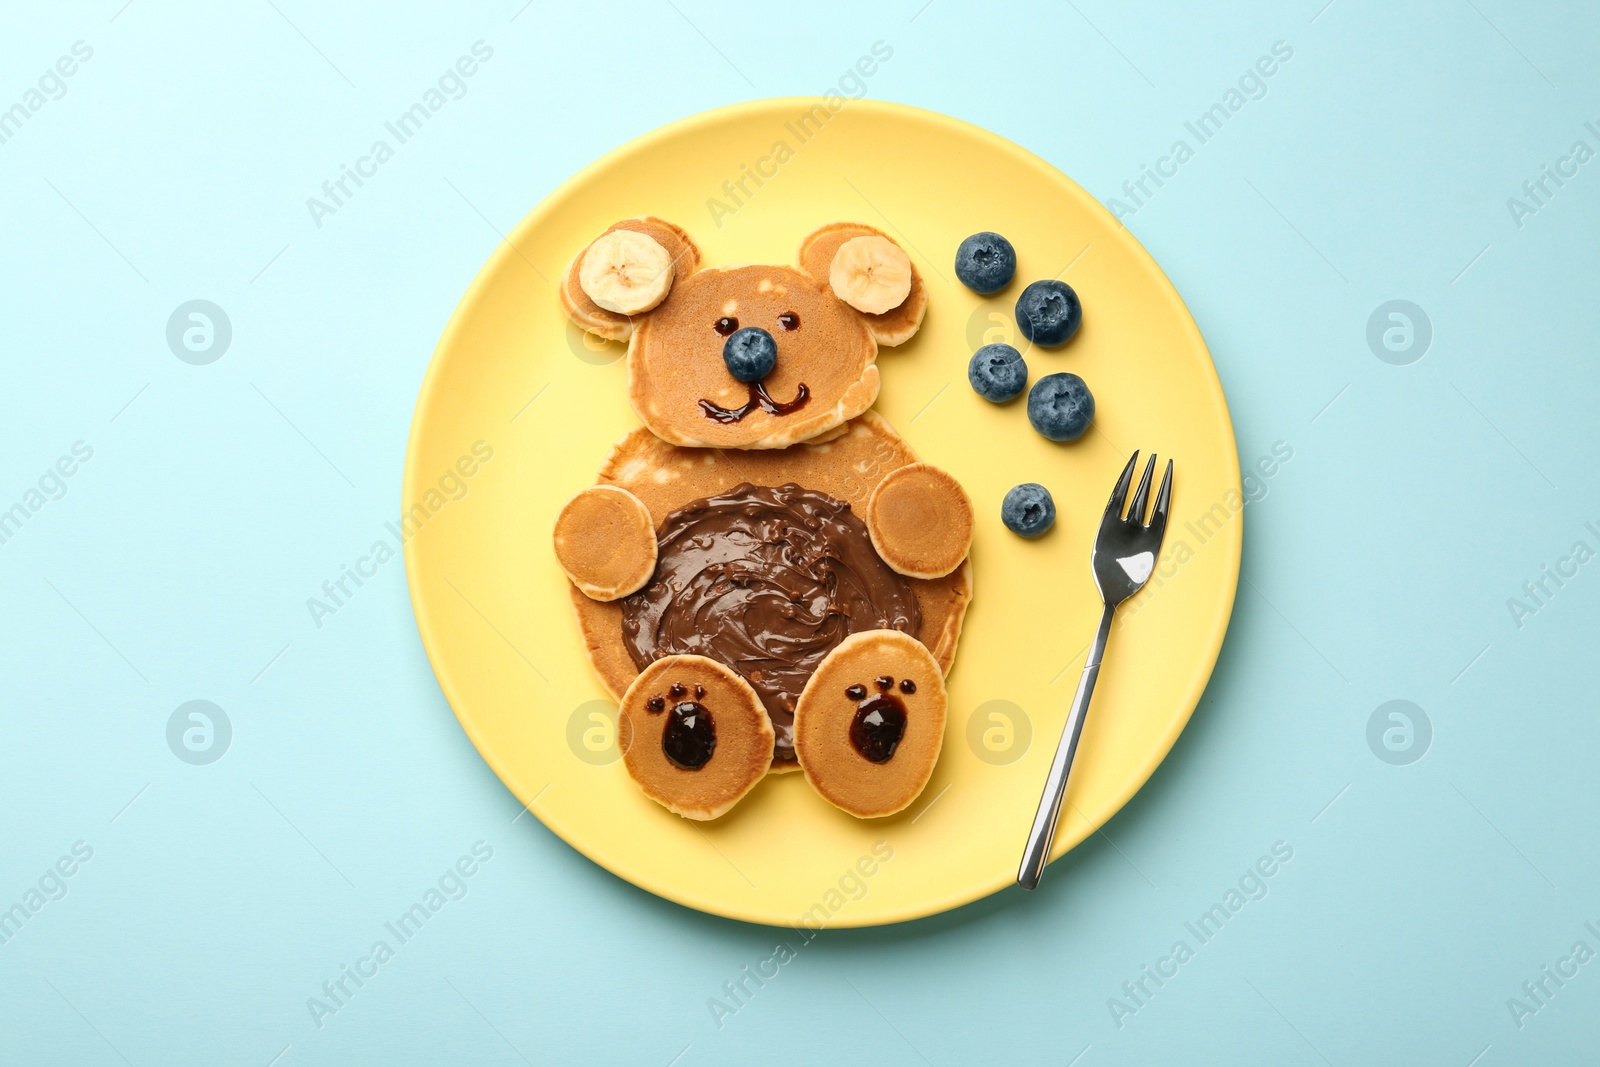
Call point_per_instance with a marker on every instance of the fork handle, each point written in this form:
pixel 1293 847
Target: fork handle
pixel 1037 852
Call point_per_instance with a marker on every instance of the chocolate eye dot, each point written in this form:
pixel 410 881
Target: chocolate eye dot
pixel 856 692
pixel 656 705
pixel 907 686
pixel 678 691
pixel 726 326
pixel 885 683
pixel 789 320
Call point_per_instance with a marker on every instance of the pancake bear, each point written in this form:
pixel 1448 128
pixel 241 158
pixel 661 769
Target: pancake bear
pixel 788 516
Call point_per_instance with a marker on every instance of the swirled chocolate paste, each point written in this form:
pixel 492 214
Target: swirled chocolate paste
pixel 767 581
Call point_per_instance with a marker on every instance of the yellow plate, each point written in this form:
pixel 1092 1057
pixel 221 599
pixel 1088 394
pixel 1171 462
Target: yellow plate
pixel 518 410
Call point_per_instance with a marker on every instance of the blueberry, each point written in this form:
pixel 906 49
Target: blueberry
pixel 1028 509
pixel 985 263
pixel 997 372
pixel 1048 313
pixel 750 354
pixel 1060 406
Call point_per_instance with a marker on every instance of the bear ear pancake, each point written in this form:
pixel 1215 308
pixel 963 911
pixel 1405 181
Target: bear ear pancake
pixel 587 315
pixel 893 327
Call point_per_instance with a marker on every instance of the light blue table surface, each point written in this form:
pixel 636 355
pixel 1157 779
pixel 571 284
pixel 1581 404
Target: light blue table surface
pixel 1432 908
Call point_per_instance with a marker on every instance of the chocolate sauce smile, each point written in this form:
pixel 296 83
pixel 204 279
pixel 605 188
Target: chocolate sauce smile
pixel 759 398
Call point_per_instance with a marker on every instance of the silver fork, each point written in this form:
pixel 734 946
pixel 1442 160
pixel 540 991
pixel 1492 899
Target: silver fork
pixel 1125 553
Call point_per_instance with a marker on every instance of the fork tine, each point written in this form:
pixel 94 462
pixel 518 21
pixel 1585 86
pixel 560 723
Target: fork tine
pixel 1141 495
pixel 1119 495
pixel 1158 517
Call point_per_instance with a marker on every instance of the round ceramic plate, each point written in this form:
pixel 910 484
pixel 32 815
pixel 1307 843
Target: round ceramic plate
pixel 518 410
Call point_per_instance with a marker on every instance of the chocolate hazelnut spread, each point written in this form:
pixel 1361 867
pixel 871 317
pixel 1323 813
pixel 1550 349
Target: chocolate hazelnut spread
pixel 767 581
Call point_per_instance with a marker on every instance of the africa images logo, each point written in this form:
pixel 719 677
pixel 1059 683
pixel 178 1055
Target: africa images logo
pixel 52 485
pixel 51 85
pixel 1251 85
pixel 851 85
pixel 451 85
pixel 453 884
pixel 851 886
pixel 453 486
pixel 1252 885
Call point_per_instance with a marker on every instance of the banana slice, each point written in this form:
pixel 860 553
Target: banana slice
pixel 871 274
pixel 626 272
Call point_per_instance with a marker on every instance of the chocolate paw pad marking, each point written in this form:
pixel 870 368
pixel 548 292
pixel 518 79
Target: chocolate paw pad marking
pixel 880 720
pixel 690 739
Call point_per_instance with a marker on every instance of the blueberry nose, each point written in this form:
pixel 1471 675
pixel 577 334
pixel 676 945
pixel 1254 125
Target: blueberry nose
pixel 750 354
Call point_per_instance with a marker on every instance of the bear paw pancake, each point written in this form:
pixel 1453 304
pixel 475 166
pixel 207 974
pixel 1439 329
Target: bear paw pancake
pixel 920 520
pixel 895 326
pixel 606 542
pixel 588 315
pixel 870 724
pixel 694 736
